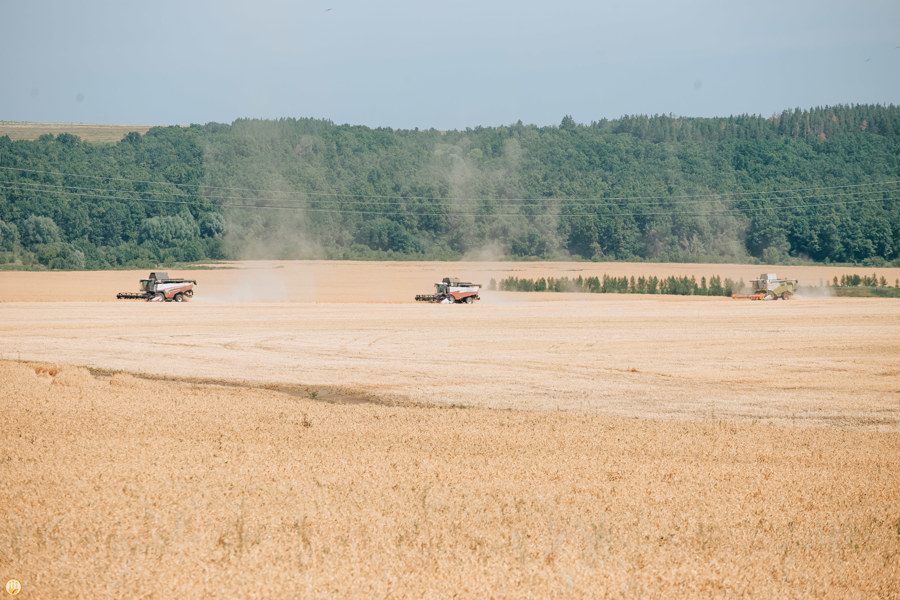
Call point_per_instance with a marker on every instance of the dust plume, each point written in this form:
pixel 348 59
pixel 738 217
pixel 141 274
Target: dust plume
pixel 814 292
pixel 492 251
pixel 252 284
pixel 265 216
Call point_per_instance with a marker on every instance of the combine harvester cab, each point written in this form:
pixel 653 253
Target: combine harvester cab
pixel 770 287
pixel 452 291
pixel 159 287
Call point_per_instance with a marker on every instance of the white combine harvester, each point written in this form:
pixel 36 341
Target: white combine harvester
pixel 452 291
pixel 159 287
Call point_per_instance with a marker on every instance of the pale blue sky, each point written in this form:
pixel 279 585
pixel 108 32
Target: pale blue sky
pixel 447 65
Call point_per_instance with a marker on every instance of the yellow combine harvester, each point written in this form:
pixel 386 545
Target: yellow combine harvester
pixel 769 287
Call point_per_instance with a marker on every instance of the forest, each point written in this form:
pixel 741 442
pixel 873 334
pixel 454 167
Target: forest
pixel 818 185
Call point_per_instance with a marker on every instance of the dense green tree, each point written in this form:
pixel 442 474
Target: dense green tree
pixel 167 232
pixel 37 230
pixel 9 236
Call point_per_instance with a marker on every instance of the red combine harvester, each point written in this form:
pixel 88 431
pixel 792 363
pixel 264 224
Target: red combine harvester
pixel 452 291
pixel 159 287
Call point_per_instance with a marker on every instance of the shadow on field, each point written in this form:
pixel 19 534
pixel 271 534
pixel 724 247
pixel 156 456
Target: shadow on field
pixel 326 394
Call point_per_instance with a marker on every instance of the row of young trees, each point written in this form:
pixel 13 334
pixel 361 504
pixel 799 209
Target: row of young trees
pixel 819 185
pixel 680 286
pixel 873 281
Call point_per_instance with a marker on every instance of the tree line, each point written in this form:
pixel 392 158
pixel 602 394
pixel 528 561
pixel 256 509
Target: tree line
pixel 854 280
pixel 679 286
pixel 817 185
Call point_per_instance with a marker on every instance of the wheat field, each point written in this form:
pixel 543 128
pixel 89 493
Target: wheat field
pixel 298 443
pixel 89 132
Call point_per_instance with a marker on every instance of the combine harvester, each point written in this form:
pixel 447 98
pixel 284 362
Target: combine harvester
pixel 769 287
pixel 452 291
pixel 159 287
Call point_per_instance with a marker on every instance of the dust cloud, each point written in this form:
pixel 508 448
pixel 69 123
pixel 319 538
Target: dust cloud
pixel 260 284
pixel 491 252
pixel 814 292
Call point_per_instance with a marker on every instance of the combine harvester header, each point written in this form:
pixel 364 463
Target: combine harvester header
pixel 452 291
pixel 159 287
pixel 769 287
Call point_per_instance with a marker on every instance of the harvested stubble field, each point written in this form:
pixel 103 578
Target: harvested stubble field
pixel 305 430
pixel 89 132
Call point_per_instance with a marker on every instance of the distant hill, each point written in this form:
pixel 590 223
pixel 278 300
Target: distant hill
pixel 89 132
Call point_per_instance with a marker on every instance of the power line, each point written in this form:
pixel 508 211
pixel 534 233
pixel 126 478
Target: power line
pixel 282 196
pixel 92 192
pixel 454 213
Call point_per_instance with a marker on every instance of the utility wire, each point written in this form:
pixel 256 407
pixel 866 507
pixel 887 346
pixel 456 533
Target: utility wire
pixel 282 196
pixel 453 213
pixel 92 192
